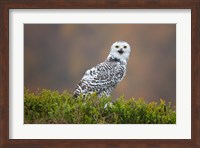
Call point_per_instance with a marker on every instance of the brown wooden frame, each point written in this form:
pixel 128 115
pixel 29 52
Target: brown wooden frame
pixel 5 5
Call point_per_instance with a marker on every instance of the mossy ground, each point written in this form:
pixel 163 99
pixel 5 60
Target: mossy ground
pixel 52 107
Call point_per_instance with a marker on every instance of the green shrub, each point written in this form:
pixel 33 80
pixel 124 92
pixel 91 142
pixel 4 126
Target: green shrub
pixel 48 106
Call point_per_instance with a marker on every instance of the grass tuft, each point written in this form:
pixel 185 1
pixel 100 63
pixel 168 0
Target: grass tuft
pixel 52 107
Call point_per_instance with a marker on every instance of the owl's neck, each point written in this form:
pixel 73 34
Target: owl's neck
pixel 111 58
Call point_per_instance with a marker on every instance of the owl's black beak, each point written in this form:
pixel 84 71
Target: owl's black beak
pixel 120 51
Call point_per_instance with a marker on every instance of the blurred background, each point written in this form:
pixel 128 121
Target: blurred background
pixel 56 57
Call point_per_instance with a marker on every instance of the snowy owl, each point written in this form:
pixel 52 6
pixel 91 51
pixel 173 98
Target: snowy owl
pixel 104 77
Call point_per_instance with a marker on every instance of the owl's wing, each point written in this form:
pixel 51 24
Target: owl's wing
pixel 102 78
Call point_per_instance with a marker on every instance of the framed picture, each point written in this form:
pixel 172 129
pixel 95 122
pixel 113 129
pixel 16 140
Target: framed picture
pixel 53 45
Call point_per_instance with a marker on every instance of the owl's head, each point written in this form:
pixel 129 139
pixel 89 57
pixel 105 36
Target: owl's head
pixel 120 50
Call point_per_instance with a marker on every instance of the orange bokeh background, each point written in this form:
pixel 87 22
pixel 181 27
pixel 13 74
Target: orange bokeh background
pixel 56 57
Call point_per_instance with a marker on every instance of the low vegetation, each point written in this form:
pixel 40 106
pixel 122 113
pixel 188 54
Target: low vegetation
pixel 52 107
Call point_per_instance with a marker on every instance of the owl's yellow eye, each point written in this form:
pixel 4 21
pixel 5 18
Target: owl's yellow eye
pixel 117 46
pixel 125 46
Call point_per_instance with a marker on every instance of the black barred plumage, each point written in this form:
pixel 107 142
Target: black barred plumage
pixel 104 77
